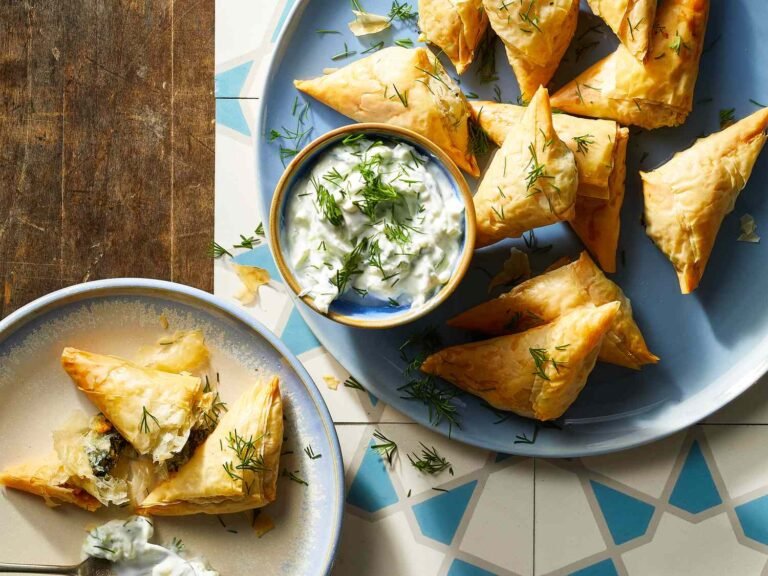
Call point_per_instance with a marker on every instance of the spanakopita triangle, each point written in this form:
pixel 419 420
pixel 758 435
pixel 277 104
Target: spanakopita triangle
pixel 549 296
pixel 687 198
pixel 455 26
pixel 651 94
pixel 530 182
pixel 236 468
pixel 152 409
pixel 537 373
pixel 535 34
pixel 404 87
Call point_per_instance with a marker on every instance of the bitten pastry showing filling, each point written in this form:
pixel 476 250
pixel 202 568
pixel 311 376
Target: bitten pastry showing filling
pixel 161 432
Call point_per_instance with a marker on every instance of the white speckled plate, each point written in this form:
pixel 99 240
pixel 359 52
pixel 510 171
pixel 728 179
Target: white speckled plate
pixel 116 317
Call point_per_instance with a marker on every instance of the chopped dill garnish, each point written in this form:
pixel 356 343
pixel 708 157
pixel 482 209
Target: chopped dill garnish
pixel 540 359
pixel 430 462
pixel 756 103
pixel 386 447
pixel 478 137
pixel 527 18
pixel 349 265
pixel 216 250
pixel 260 229
pixel 322 32
pixel 392 303
pixel 309 451
pixel 727 117
pixel 583 142
pixel 374 47
pixel 403 96
pixel 403 12
pixel 532 243
pixel 345 54
pixel 327 204
pixel 471 95
pixel 536 171
pixel 293 476
pixel 353 383
pixel 404 42
pixel 145 417
pixel 523 438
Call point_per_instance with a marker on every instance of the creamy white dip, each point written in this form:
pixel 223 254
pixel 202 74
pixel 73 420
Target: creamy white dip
pixel 126 544
pixel 376 219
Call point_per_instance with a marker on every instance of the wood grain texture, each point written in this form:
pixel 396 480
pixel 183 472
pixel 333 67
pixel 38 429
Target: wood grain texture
pixel 106 143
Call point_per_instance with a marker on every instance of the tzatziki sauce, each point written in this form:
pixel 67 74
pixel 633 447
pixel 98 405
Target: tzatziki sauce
pixel 374 219
pixel 126 544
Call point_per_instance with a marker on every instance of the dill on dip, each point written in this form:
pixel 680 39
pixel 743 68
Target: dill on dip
pixel 387 218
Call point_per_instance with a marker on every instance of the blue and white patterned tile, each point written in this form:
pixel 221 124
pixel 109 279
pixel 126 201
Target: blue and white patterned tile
pixel 681 548
pixel 500 530
pixel 566 530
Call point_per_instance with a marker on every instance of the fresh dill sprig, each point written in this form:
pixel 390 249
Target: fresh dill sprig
pixel 540 360
pixel 291 140
pixel 250 242
pixel 527 18
pixel 439 401
pixel 350 265
pixel 532 243
pixel 216 250
pixel 177 545
pixel 397 232
pixel 374 47
pixel 260 229
pixel 345 54
pixel 293 476
pixel 403 96
pixel 386 447
pixel 727 117
pixel 403 12
pixel 323 32
pixel 633 28
pixel 523 438
pixel 678 43
pixel 326 202
pixel 146 416
pixel 478 137
pixel 353 383
pixel 536 171
pixel 583 142
pixel 309 451
pixel 430 462
pixel 756 103
pixel 404 42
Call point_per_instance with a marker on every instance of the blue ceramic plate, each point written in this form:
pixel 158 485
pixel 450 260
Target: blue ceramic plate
pixel 116 317
pixel 713 344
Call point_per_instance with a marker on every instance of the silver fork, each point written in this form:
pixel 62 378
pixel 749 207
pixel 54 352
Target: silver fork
pixel 89 567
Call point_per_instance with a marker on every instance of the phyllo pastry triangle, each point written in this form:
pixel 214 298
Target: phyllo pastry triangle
pixel 593 142
pixel 236 468
pixel 536 34
pixel 153 410
pixel 47 477
pixel 631 20
pixel 530 182
pixel 537 373
pixel 654 93
pixel 455 26
pixel 687 198
pixel 90 450
pixel 403 87
pixel 549 296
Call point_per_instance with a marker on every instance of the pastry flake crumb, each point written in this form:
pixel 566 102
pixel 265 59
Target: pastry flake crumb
pixel 262 524
pixel 331 381
pixel 252 278
pixel 366 23
pixel 748 230
pixel 516 269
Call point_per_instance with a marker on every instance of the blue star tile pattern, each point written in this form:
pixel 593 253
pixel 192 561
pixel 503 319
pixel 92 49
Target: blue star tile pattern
pixel 604 568
pixel 283 16
pixel 372 488
pixel 753 517
pixel 695 491
pixel 260 257
pixel 461 568
pixel 229 84
pixel 297 335
pixel 627 517
pixel 439 517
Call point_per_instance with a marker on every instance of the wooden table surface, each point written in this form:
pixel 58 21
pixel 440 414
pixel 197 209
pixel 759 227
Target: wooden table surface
pixel 106 143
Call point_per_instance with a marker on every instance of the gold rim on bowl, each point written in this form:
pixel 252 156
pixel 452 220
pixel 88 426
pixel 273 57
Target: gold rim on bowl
pixel 396 132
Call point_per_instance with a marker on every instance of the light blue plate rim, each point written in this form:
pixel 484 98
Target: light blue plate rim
pixel 144 286
pixel 696 408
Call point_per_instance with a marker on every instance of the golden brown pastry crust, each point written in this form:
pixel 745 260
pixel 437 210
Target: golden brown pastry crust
pixel 651 94
pixel 537 373
pixel 203 485
pixel 365 91
pixel 631 20
pixel 47 478
pixel 687 198
pixel 547 297
pixel 509 200
pixel 455 26
pixel 598 222
pixel 536 35
pixel 153 410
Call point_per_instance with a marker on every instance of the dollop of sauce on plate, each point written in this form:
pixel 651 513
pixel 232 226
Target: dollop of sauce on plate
pixel 126 544
pixel 375 220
